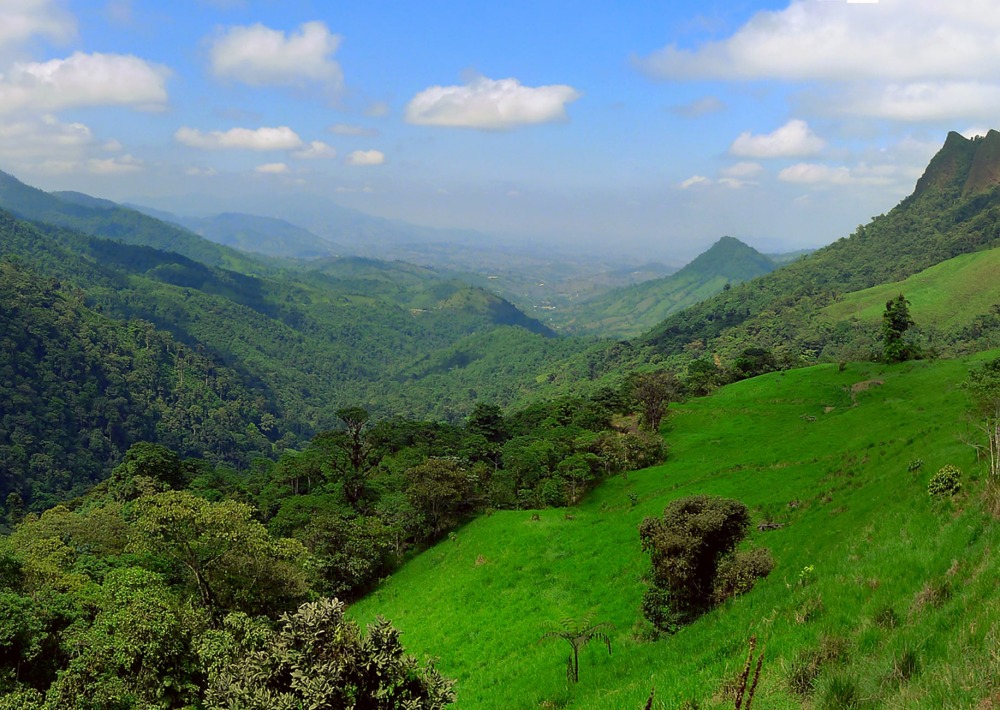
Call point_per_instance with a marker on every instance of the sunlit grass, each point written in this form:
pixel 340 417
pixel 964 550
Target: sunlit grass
pixel 801 449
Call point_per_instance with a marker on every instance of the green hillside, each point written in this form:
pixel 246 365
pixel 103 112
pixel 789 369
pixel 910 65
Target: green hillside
pixel 881 596
pixel 954 210
pixel 630 311
pixel 946 295
pixel 102 218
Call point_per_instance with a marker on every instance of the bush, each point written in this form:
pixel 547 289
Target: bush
pixel 946 482
pixel 688 544
pixel 739 572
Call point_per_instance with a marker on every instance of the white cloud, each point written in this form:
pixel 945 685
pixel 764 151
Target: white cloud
pixel 47 145
pixel 113 166
pixel 891 40
pixel 862 174
pixel 201 172
pixel 366 157
pixel 899 60
pixel 272 169
pixel 315 149
pixel 280 138
pixel 695 180
pixel 22 20
pixel 84 80
pixel 259 56
pixel 348 129
pixel 742 170
pixel 918 101
pixel 490 104
pixel 814 173
pixel 794 139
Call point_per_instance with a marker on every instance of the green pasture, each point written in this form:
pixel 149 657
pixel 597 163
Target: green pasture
pixel 900 608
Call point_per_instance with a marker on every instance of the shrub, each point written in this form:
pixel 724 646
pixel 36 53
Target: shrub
pixel 947 481
pixel 739 571
pixel 915 465
pixel 688 544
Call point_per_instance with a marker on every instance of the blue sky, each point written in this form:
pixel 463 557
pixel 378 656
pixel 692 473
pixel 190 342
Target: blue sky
pixel 633 129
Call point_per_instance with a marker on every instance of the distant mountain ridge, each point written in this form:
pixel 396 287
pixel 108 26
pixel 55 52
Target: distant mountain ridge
pixel 632 310
pixel 269 236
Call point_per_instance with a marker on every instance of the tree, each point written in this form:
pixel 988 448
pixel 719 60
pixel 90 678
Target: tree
pixel 442 490
pixel 317 658
pixel 895 322
pixel 227 556
pixel 983 386
pixel 653 391
pixel 687 544
pixel 578 634
pixel 357 454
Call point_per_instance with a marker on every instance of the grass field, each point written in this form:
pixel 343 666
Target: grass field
pixel 901 608
pixel 947 294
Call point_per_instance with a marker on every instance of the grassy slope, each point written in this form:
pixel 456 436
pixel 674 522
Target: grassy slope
pixel 948 294
pixel 481 600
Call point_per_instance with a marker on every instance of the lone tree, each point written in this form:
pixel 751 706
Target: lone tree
pixel 578 634
pixel 653 392
pixel 895 322
pixel 690 544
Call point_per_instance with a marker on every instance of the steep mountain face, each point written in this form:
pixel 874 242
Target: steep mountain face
pixel 633 310
pixel 955 209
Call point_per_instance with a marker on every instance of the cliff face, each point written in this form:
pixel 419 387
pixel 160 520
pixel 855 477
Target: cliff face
pixel 965 166
pixel 984 173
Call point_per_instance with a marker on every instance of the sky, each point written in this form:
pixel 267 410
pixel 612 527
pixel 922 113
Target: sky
pixel 636 129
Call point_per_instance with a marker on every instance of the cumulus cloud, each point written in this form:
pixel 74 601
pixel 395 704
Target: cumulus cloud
pixel 260 56
pixel 366 157
pixel 47 145
pixel 847 42
pixel 912 60
pixel 84 80
pixel 201 172
pixel 280 138
pixel 315 149
pixel 490 104
pixel 22 20
pixel 794 139
pixel 272 169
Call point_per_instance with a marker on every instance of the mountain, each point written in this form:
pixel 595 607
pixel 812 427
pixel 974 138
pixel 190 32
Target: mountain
pixel 954 209
pixel 630 311
pixel 102 218
pixel 252 233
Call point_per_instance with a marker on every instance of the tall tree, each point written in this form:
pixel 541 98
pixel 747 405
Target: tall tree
pixel 895 322
pixel 653 392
